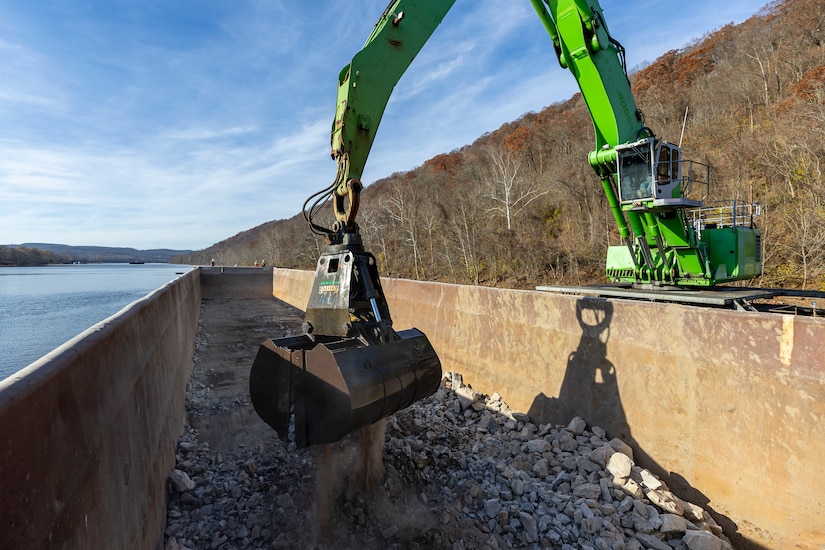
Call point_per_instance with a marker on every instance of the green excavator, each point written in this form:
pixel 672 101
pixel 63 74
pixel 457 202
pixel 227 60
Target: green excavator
pixel 350 368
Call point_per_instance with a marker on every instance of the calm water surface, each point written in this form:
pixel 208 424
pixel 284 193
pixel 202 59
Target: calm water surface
pixel 43 307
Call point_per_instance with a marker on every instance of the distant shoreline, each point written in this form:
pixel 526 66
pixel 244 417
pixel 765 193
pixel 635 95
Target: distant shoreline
pixel 32 254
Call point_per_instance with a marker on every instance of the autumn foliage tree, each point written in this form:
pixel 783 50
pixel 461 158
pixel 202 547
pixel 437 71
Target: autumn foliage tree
pixel 521 206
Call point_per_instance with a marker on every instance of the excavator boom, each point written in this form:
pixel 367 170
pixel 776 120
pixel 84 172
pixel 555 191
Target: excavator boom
pixel 654 195
pixel 350 368
pixel 366 83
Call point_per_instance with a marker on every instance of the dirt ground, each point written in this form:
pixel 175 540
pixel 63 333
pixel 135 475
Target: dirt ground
pixel 236 448
pixel 229 334
pixel 459 470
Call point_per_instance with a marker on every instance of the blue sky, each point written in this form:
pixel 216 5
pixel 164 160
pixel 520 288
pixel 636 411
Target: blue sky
pixel 179 123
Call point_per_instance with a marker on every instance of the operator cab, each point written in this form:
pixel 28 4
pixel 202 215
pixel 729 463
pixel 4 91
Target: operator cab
pixel 636 170
pixel 649 170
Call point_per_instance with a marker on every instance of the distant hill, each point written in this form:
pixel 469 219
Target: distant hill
pixel 105 254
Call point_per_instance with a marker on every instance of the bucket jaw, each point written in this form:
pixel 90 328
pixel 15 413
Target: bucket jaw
pixel 350 368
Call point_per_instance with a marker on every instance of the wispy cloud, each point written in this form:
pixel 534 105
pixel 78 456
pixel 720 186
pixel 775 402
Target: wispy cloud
pixel 199 134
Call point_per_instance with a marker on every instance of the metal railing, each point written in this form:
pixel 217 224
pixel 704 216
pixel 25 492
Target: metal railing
pixel 724 214
pixel 695 174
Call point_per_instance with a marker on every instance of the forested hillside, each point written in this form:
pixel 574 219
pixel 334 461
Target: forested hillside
pixel 521 206
pixel 25 256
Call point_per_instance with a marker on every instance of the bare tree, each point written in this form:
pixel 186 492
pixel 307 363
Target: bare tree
pixel 375 234
pixel 509 193
pixel 464 231
pixel 401 207
pixel 806 227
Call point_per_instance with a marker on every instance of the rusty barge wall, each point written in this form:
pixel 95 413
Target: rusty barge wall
pixel 88 432
pixel 727 407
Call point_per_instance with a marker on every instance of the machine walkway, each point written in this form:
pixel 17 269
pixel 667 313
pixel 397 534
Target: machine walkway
pixel 797 302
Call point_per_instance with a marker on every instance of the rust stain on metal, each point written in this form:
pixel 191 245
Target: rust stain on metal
pixel 727 400
pixel 786 340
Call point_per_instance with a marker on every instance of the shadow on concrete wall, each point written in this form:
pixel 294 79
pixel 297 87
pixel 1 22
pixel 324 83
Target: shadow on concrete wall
pixel 590 390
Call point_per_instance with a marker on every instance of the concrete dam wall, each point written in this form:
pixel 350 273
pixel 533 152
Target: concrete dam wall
pixel 726 407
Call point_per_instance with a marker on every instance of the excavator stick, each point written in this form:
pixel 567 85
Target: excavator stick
pixel 350 368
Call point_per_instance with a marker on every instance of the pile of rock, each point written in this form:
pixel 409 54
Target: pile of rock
pixel 549 486
pixel 461 471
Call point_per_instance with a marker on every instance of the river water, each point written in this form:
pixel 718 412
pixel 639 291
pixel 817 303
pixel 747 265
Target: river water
pixel 43 307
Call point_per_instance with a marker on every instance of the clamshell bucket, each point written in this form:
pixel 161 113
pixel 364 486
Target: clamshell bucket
pixel 350 368
pixel 334 386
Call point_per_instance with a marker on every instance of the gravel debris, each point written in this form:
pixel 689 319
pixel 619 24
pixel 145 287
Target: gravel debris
pixel 460 471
